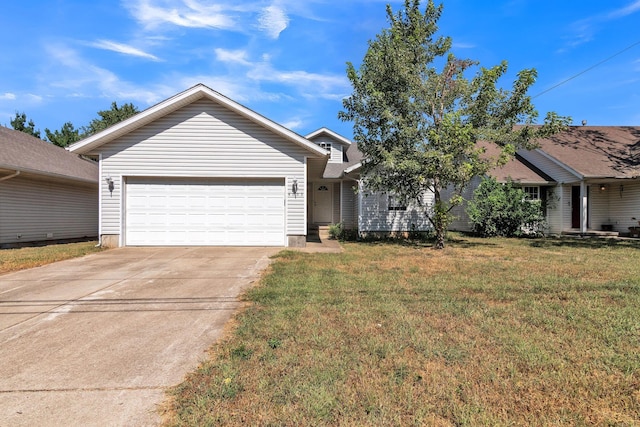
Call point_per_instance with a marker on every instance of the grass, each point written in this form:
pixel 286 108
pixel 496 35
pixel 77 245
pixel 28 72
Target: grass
pixel 28 257
pixel 485 332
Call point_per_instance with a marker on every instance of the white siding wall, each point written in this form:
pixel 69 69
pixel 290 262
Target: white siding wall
pixel 336 148
pixel 566 207
pixel 624 205
pixel 349 205
pixel 44 210
pixel 558 173
pixel 555 207
pixel 203 139
pixel 336 202
pixel 461 220
pixel 374 214
pixel 598 207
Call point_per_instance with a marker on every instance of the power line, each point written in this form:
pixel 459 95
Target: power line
pixel 588 69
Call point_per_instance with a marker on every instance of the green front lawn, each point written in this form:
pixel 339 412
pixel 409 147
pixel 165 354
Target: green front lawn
pixel 28 257
pixel 485 332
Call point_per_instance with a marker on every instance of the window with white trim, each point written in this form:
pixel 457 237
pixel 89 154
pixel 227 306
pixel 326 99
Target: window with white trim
pixel 395 204
pixel 532 192
pixel 326 145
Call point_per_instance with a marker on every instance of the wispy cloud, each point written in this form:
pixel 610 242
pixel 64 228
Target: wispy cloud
pixel 584 30
pixel 273 20
pixel 123 48
pixel 186 13
pixel 8 95
pixel 232 56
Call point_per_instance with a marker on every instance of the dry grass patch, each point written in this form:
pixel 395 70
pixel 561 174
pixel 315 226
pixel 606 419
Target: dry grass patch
pixel 29 257
pixel 486 332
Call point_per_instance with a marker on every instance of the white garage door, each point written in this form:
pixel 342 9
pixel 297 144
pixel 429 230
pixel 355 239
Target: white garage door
pixel 200 212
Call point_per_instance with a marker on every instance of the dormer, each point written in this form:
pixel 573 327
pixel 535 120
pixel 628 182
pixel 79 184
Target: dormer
pixel 335 144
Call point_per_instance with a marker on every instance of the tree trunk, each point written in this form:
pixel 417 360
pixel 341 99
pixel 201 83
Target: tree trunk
pixel 439 221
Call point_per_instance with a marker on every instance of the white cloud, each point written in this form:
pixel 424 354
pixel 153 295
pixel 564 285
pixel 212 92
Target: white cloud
pixel 8 95
pixel 232 56
pixel 624 11
pixel 186 13
pixel 123 48
pixel 293 124
pixel 273 20
pixel 300 79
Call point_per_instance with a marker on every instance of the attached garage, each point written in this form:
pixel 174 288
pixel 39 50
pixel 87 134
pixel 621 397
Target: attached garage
pixel 204 212
pixel 199 169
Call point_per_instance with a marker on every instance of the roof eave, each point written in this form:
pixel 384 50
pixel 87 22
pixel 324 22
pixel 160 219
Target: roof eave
pixel 331 133
pixel 167 106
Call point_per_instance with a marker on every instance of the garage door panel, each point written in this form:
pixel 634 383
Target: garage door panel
pixel 204 212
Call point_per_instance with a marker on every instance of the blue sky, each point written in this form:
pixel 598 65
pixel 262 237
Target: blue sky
pixel 63 60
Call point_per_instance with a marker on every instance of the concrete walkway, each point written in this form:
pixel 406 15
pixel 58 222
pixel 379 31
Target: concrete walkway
pixel 97 340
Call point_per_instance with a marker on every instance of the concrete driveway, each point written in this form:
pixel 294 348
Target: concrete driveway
pixel 97 340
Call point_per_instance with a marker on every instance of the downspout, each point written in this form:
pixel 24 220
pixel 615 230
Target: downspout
pixel 13 175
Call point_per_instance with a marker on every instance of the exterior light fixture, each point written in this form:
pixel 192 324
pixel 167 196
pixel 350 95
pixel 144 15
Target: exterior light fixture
pixel 110 184
pixel 603 187
pixel 294 187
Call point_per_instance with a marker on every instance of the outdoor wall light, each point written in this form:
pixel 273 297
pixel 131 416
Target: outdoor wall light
pixel 110 184
pixel 603 187
pixel 294 187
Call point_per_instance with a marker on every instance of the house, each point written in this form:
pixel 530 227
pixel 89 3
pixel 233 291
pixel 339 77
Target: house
pixel 46 193
pixel 588 177
pixel 201 169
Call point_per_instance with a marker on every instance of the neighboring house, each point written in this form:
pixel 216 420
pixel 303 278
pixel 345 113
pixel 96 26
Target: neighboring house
pixel 588 176
pixel 46 193
pixel 201 169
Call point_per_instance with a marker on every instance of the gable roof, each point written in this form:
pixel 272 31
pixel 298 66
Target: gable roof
pixel 517 169
pixel 182 99
pixel 596 151
pixel 330 133
pixel 27 154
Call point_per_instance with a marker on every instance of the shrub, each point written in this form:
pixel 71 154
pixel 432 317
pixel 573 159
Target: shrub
pixel 504 210
pixel 337 231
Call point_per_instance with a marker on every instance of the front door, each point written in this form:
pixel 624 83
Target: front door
pixel 576 206
pixel 322 198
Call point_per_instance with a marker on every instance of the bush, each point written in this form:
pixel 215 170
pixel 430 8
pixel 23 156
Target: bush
pixel 504 210
pixel 337 231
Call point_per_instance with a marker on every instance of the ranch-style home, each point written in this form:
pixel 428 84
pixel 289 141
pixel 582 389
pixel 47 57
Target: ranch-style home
pixel 46 193
pixel 587 176
pixel 201 169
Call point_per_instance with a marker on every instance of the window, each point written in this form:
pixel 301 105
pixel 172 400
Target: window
pixel 395 204
pixel 533 193
pixel 326 145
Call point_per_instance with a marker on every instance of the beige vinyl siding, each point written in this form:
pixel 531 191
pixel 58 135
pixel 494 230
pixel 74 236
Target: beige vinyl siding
pixel 39 210
pixel 203 139
pixel 349 202
pixel 375 216
pixel 624 204
pixel 548 166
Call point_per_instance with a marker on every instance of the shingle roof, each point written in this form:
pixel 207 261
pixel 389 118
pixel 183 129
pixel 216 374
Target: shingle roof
pixel 517 169
pixel 335 170
pixel 597 151
pixel 25 153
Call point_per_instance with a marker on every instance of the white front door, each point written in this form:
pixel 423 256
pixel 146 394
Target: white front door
pixel 322 203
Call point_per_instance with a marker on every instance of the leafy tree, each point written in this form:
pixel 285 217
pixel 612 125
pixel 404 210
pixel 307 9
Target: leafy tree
pixel 20 123
pixel 504 210
pixel 418 127
pixel 65 136
pixel 109 117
